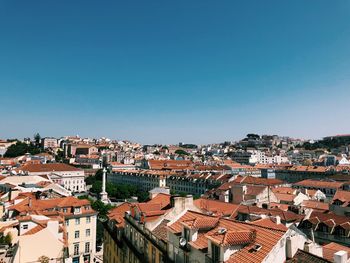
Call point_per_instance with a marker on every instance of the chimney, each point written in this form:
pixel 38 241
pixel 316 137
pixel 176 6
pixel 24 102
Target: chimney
pixel 181 203
pixel 313 248
pixel 278 220
pixel 340 257
pixel 188 201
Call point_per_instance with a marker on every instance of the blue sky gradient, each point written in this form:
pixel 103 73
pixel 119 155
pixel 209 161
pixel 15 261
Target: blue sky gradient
pixel 171 71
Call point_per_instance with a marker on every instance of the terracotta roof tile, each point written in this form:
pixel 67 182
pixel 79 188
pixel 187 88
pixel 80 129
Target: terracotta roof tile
pixel 343 196
pixel 162 199
pixel 303 256
pixel 48 167
pixel 215 207
pixel 316 205
pixel 331 248
pixel 160 231
pixel 319 184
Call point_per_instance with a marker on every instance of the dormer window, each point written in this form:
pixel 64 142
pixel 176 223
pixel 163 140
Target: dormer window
pixel 338 202
pixel 77 210
pixel 65 210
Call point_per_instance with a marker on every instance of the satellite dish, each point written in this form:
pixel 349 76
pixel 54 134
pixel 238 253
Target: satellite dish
pixel 222 230
pixel 183 242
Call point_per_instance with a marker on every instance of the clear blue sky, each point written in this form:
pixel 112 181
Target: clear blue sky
pixel 169 71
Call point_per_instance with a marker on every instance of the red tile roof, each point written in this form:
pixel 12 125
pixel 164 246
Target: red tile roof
pixel 319 184
pixel 316 205
pixel 257 181
pixel 286 216
pixel 201 223
pixel 160 231
pixel 331 248
pixel 32 205
pixel 236 233
pixel 176 227
pixel 215 207
pixel 343 196
pixel 118 214
pixel 285 197
pixel 284 190
pixel 329 219
pixel 170 164
pixel 232 237
pixel 267 222
pixel 162 199
pixel 48 167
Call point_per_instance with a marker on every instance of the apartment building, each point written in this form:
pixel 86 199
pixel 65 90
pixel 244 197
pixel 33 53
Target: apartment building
pixel 327 227
pixel 297 173
pixel 76 219
pixel 27 232
pixel 73 149
pixel 260 157
pixel 138 232
pixel 145 179
pixel 328 187
pixel 340 203
pixel 70 177
pixel 49 142
pixel 189 183
pixel 196 237
pixel 248 189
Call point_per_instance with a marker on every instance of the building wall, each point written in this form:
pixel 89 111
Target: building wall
pixel 72 227
pixel 112 253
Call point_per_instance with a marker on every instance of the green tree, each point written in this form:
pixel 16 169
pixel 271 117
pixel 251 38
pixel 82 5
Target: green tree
pixel 59 156
pixel 99 174
pixel 6 239
pixel 181 152
pixel 96 187
pixel 37 139
pixel 90 180
pixel 253 136
pixel 21 148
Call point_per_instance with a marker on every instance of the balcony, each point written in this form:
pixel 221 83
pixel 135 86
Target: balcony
pixel 8 253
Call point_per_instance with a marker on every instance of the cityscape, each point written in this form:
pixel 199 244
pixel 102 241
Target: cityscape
pixel 264 198
pixel 175 131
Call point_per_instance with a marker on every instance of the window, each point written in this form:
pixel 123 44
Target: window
pixel 76 249
pixel 87 232
pixel 67 222
pixel 64 210
pixel 77 221
pixel 25 226
pixel 88 219
pixel 76 234
pixel 215 253
pixel 87 247
pixel 77 210
pixel 153 254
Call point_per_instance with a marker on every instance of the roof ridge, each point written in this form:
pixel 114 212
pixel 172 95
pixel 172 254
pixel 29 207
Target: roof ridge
pixel 250 224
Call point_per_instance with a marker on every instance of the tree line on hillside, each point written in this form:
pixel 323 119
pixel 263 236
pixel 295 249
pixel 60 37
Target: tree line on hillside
pixel 326 143
pixel 21 148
